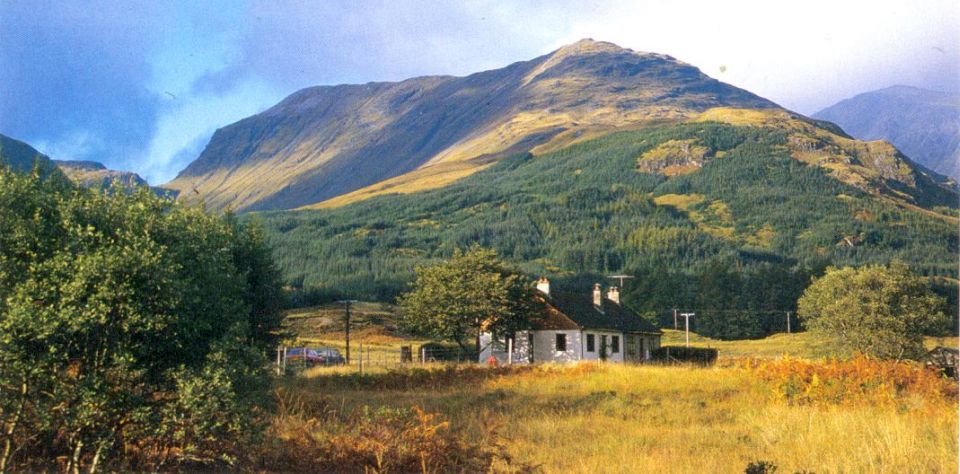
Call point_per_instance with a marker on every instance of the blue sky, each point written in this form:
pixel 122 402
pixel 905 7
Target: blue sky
pixel 141 86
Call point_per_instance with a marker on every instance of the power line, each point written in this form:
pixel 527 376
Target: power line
pixel 710 310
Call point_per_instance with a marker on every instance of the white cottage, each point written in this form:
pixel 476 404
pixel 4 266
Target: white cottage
pixel 574 327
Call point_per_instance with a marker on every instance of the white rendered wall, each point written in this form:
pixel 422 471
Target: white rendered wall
pixel 544 346
pixel 598 336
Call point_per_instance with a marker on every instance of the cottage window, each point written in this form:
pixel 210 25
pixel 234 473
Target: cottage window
pixel 614 344
pixel 561 342
pixel 591 343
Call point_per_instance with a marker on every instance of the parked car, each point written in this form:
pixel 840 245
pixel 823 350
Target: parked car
pixel 312 357
pixel 331 356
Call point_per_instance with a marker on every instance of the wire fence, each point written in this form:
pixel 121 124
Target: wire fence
pixel 364 357
pixel 291 359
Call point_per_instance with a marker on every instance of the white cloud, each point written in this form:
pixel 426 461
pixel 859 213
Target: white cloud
pixel 76 145
pixel 192 118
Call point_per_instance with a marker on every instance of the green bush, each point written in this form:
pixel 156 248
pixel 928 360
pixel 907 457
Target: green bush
pixel 133 331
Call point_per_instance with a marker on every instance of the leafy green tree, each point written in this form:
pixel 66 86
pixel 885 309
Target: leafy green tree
pixel 875 310
pixel 119 315
pixel 471 292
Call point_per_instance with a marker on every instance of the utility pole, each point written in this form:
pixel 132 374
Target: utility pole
pixel 621 278
pixel 675 317
pixel 686 319
pixel 346 327
pixel 788 322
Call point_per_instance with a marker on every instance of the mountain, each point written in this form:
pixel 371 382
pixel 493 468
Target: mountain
pixel 324 142
pixel 923 124
pixel 735 211
pixel 589 161
pixel 22 157
pixel 93 174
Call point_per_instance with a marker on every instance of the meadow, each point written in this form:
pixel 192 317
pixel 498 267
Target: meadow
pixel 856 416
pixel 776 402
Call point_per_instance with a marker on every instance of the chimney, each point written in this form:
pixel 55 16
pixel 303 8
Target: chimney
pixel 597 296
pixel 613 294
pixel 543 286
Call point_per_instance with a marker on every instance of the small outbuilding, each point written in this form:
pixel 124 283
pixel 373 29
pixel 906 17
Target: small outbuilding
pixel 572 327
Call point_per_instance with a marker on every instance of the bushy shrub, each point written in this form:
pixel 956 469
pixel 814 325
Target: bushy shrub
pixel 132 329
pixel 861 380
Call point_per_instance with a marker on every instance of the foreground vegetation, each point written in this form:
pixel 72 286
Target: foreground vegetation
pixel 132 330
pixel 617 418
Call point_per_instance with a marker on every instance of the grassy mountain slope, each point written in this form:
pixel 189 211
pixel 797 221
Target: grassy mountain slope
pixel 597 206
pixel 923 124
pixel 426 132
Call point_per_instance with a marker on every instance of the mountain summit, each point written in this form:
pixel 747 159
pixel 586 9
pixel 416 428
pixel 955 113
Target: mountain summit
pixel 356 141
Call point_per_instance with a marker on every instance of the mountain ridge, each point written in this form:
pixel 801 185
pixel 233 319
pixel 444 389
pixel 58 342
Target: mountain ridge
pixel 22 157
pixel 326 141
pixel 95 174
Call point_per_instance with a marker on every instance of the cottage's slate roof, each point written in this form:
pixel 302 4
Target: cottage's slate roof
pixel 576 311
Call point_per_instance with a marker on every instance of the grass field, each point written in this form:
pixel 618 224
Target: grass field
pixel 804 345
pixel 616 418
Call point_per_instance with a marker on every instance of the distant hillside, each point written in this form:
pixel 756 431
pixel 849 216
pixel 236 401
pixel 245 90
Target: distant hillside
pixel 22 157
pixel 92 174
pixel 924 124
pixel 741 189
pixel 426 132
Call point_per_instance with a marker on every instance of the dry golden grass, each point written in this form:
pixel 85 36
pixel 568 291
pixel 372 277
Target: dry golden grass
pixel 805 345
pixel 679 201
pixel 801 344
pixel 620 418
pixel 430 177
